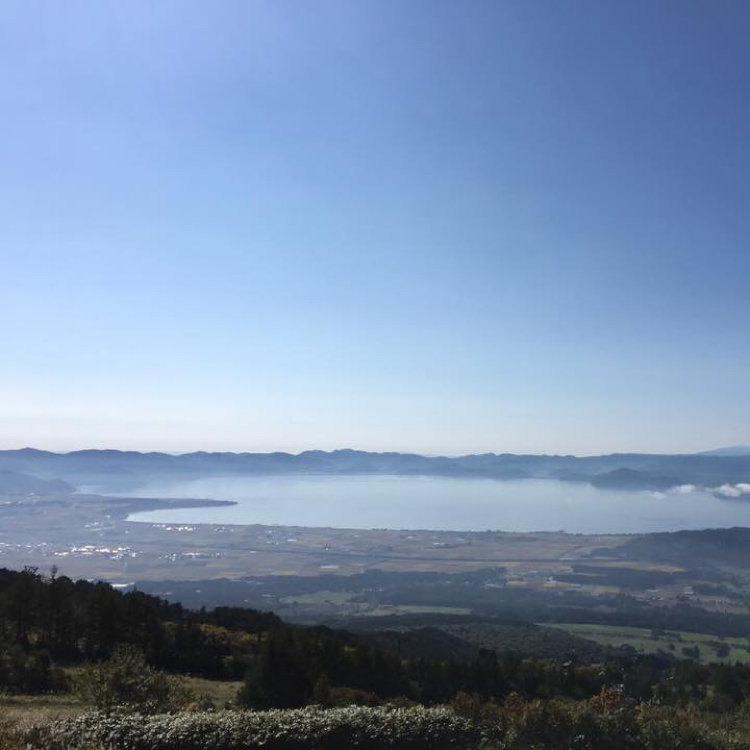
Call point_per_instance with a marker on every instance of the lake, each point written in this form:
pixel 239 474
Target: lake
pixel 441 503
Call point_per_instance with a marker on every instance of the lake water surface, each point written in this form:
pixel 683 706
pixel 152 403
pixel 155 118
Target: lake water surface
pixel 440 503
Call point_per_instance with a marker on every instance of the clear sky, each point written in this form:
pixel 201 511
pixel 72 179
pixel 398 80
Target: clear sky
pixel 447 227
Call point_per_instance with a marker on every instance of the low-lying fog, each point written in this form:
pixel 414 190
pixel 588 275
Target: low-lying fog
pixel 446 503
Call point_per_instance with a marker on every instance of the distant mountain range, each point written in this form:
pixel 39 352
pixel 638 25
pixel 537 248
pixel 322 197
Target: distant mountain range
pixel 732 450
pixel 127 469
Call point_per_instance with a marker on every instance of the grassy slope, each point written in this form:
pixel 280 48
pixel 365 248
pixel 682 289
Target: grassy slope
pixel 30 708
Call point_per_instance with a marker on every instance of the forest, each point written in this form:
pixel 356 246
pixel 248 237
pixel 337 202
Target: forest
pixel 127 651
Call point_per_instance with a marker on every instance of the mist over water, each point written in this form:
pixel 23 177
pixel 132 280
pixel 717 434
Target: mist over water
pixel 439 503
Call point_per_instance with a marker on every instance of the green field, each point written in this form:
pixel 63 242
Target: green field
pixel 672 641
pixel 319 597
pixel 417 609
pixel 340 598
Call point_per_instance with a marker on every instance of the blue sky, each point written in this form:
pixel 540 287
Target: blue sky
pixel 432 226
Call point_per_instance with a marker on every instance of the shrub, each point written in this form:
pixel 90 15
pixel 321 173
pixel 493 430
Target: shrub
pixel 126 681
pixel 607 722
pixel 291 729
pixel 11 737
pixel 32 671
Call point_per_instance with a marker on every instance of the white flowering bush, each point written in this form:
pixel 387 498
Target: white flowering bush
pixel 598 724
pixel 382 728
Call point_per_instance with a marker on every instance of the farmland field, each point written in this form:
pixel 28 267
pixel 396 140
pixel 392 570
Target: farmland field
pixel 711 648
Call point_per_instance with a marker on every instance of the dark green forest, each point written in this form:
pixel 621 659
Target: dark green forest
pixel 49 621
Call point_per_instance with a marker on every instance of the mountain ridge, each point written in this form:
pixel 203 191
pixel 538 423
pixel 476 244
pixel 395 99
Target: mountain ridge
pixel 621 470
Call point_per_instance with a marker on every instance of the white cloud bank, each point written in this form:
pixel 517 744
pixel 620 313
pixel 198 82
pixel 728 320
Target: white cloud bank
pixel 733 490
pixel 739 490
pixel 683 489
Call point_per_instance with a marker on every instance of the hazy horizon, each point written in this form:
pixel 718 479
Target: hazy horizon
pixel 8 447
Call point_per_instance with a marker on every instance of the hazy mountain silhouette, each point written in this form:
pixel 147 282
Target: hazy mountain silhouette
pixel 15 483
pixel 623 470
pixel 730 450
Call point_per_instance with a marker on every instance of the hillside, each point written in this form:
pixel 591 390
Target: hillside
pixel 462 685
pixel 78 622
pixel 14 483
pixel 130 468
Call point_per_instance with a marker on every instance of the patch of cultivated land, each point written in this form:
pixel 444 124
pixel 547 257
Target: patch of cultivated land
pixel 677 642
pixel 417 609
